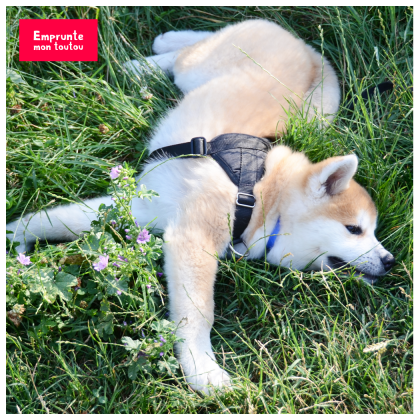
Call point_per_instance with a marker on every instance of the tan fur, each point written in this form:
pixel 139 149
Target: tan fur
pixel 289 172
pixel 263 101
pixel 228 91
pixel 343 207
pixel 283 170
pixel 346 206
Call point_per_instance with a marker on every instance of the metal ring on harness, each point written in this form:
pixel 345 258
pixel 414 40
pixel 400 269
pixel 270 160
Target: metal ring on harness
pixel 242 204
pixel 238 253
pixel 242 157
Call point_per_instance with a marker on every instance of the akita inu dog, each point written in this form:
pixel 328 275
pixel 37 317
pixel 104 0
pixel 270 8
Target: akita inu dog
pixel 329 219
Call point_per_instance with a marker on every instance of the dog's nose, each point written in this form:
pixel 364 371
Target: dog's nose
pixel 388 261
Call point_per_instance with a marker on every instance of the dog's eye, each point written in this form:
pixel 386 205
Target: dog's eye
pixel 354 230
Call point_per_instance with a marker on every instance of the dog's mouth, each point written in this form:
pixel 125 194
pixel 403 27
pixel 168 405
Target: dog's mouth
pixel 335 262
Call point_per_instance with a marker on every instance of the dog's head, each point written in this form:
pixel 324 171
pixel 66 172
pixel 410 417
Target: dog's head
pixel 334 222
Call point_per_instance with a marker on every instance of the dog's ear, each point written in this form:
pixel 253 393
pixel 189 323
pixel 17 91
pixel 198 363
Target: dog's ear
pixel 332 176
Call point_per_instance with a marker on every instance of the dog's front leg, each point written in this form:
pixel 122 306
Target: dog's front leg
pixel 191 268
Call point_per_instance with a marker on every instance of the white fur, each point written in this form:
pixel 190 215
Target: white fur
pixel 164 61
pixel 342 169
pixel 175 40
pixel 196 195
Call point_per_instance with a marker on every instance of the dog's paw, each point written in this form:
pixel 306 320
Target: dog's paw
pixel 218 379
pixel 175 40
pixel 172 41
pixel 163 43
pixel 211 378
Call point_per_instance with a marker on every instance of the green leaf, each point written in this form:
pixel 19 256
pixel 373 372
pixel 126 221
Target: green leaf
pixel 49 287
pixel 131 345
pixel 132 371
pixel 115 285
pixel 163 325
pixel 91 287
pixel 9 203
pixel 140 363
pixel 145 193
pixel 154 254
pixel 102 400
pixel 61 286
pixel 38 143
pixel 14 76
pixel 92 243
pixel 105 306
pixel 106 325
pixel 170 365
pixel 72 269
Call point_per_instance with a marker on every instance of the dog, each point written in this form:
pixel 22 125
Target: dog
pixel 246 78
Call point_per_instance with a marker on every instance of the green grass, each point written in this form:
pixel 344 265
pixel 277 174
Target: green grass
pixel 293 342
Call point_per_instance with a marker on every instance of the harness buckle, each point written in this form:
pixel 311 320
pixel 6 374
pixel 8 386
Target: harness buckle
pixel 199 146
pixel 247 201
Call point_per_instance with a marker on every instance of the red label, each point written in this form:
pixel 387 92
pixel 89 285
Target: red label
pixel 58 40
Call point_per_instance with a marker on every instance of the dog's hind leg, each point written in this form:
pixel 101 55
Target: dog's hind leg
pixel 175 40
pixel 165 62
pixel 167 47
pixel 62 223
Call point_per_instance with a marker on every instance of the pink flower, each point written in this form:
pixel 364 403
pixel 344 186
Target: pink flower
pixel 143 237
pixel 103 262
pixel 118 292
pixel 23 260
pixel 115 172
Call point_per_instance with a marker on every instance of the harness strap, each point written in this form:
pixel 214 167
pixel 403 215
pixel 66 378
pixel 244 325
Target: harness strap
pixel 242 157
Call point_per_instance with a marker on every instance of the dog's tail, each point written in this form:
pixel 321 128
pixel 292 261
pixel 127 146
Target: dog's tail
pixel 56 224
pixel 367 93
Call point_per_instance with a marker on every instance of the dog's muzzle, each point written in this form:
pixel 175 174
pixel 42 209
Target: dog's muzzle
pixel 387 261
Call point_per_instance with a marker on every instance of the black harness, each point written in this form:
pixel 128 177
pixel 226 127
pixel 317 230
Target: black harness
pixel 242 157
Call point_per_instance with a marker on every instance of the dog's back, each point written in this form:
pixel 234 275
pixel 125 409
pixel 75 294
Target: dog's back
pixel 246 78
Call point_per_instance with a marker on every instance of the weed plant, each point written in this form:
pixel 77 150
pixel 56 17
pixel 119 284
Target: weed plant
pixel 87 328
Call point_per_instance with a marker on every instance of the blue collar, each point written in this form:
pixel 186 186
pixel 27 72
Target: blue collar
pixel 273 236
